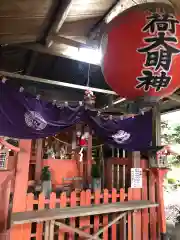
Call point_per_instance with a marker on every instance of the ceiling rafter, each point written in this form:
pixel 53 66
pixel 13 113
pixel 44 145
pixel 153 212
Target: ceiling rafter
pixel 59 19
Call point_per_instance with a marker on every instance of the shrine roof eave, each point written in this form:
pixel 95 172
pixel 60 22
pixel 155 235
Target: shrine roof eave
pixel 8 145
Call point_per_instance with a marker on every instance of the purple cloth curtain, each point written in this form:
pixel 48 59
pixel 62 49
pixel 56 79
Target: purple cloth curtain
pixel 24 116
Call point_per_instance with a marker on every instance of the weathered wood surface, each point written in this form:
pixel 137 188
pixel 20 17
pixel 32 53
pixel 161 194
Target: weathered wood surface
pixel 58 213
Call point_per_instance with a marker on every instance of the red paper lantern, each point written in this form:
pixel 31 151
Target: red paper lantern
pixel 141 52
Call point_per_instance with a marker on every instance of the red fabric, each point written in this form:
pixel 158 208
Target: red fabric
pixel 83 142
pixel 122 64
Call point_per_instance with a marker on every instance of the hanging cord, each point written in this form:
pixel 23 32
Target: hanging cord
pixel 88 80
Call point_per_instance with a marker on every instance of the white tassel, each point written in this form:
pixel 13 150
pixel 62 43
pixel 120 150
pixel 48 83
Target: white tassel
pixel 81 154
pixel 54 102
pixel 21 89
pixel 4 80
pixel 110 117
pixel 38 97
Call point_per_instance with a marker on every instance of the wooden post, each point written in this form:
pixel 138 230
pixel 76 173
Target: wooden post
pixel 136 159
pixel 38 160
pixel 89 159
pixel 156 141
pixel 156 118
pixel 136 195
pixel 74 140
pixel 160 199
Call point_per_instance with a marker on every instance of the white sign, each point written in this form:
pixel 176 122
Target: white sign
pixel 136 177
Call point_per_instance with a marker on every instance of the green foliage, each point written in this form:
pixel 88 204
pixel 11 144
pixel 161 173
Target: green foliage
pixel 175 161
pixel 95 171
pixel 176 134
pixel 171 181
pixel 45 174
pixel 171 135
pixel 13 142
pixel 166 133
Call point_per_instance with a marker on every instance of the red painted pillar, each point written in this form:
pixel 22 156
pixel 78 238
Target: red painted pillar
pixel 22 171
pixel 5 186
pixel 21 185
pixel 160 173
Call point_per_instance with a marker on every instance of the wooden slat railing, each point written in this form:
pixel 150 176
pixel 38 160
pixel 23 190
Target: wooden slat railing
pixel 122 229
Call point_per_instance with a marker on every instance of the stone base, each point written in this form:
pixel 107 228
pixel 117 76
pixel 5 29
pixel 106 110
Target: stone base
pixel 165 236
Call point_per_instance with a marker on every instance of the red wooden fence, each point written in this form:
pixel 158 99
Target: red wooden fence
pixel 145 221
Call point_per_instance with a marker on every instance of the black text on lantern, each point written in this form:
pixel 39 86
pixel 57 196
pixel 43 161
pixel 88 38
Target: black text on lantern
pixel 159 51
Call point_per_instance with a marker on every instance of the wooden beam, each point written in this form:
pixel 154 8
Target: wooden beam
pixel 136 159
pixel 122 215
pixel 79 28
pixel 175 97
pixel 51 232
pixel 67 41
pixel 68 212
pixel 60 19
pixel 52 51
pixel 43 49
pixel 47 228
pixel 156 118
pixel 39 159
pixel 52 82
pixel 76 230
pixel 97 29
pixel 31 62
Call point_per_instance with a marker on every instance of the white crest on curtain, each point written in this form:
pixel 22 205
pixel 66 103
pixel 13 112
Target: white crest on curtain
pixel 35 120
pixel 121 137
